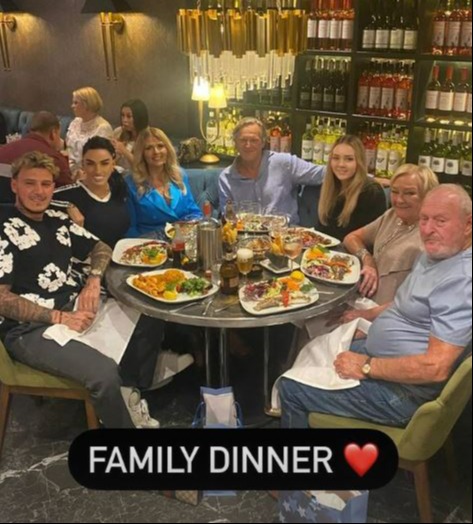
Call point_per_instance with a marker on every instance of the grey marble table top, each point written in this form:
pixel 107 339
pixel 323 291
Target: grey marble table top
pixel 233 316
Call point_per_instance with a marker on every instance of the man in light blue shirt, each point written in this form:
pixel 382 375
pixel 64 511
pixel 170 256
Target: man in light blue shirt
pixel 415 342
pixel 269 178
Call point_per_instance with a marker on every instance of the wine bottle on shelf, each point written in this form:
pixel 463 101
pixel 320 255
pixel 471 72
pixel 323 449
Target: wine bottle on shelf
pixel 370 142
pixel 382 29
pixel 466 32
pixel 328 100
pixel 318 144
pixel 403 92
pixel 453 29
pixel 275 133
pixel 439 27
pixel 411 29
pixel 453 159
pixel 341 81
pixel 323 28
pixel 307 143
pixel 465 174
pixel 396 35
pixel 362 103
pixel 369 32
pixel 374 101
pixel 335 26
pixel 312 24
pixel 447 93
pixel 460 98
pixel 348 20
pixel 317 88
pixel 425 156
pixel 286 94
pixel 388 84
pixel 305 89
pixel 286 137
pixel 439 154
pixel 433 93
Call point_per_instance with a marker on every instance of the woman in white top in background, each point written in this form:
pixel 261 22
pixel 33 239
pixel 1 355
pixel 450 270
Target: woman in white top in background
pixel 86 105
pixel 134 118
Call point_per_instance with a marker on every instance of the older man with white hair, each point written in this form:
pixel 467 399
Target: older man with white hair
pixel 415 342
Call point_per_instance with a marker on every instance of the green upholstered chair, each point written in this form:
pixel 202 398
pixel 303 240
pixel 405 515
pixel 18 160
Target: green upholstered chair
pixel 17 378
pixel 425 434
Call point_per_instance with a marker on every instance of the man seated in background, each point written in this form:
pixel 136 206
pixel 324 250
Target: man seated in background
pixel 38 289
pixel 268 178
pixel 44 136
pixel 415 342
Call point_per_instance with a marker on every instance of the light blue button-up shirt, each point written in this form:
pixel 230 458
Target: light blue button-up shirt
pixel 276 185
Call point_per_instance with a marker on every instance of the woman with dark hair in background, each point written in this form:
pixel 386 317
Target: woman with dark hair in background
pixel 98 201
pixel 348 199
pixel 134 118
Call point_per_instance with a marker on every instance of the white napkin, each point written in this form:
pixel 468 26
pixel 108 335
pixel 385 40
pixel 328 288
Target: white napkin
pixel 109 334
pixel 314 364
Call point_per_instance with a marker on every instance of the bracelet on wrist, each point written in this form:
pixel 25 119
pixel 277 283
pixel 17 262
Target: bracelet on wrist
pixel 361 253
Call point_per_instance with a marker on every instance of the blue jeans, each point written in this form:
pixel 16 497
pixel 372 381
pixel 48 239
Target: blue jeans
pixel 387 403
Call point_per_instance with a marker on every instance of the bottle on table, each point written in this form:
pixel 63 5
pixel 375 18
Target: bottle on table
pixel 229 275
pixel 178 246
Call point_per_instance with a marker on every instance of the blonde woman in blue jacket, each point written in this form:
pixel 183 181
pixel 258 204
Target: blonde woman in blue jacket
pixel 159 190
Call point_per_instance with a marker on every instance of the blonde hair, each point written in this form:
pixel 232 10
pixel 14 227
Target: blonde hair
pixel 34 160
pixel 426 178
pixel 332 188
pixel 90 97
pixel 141 175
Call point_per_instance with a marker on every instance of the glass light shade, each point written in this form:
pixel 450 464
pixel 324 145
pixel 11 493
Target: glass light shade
pixel 217 99
pixel 200 89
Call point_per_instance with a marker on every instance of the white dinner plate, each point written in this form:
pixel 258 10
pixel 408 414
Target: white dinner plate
pixel 311 233
pixel 349 278
pixel 250 305
pixel 181 297
pixel 124 244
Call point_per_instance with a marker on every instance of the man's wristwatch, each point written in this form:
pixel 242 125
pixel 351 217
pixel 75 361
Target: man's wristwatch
pixel 96 273
pixel 361 253
pixel 366 367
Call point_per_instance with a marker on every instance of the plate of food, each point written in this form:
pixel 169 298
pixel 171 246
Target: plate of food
pixel 139 252
pixel 311 237
pixel 255 224
pixel 330 266
pixel 172 286
pixel 278 294
pixel 186 228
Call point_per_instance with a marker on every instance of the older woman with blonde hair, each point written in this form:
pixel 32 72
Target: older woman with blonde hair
pixel 159 190
pixel 389 246
pixel 348 199
pixel 86 105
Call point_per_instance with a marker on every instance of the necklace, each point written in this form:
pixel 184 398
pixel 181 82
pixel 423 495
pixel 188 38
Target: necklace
pixel 400 229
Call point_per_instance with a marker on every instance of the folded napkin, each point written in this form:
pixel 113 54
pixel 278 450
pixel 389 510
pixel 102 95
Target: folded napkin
pixel 109 334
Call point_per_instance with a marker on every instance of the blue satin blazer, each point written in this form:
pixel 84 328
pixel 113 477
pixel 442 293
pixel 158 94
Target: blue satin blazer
pixel 150 211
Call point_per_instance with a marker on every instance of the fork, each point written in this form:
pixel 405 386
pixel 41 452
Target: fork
pixel 207 306
pixel 201 303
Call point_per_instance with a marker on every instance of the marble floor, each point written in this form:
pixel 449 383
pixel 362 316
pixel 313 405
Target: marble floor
pixel 35 484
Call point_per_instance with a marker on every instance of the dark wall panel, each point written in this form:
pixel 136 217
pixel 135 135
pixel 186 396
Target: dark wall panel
pixel 56 49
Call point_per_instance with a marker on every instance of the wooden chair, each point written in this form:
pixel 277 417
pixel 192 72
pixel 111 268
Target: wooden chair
pixel 426 433
pixel 17 378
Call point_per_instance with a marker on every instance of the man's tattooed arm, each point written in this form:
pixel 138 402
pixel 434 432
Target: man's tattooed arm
pixel 18 308
pixel 100 257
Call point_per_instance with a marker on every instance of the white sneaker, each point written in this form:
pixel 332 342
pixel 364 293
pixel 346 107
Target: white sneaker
pixel 169 364
pixel 138 409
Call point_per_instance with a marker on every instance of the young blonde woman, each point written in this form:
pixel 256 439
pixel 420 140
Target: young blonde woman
pixel 86 105
pixel 349 199
pixel 159 190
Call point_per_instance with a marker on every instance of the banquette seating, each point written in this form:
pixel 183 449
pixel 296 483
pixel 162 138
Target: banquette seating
pixel 18 121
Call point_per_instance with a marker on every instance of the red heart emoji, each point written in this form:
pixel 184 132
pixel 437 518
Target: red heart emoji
pixel 361 460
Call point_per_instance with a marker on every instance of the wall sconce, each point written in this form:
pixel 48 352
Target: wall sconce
pixel 111 23
pixel 6 21
pixel 216 99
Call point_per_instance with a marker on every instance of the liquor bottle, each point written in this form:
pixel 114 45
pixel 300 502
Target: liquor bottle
pixel 178 247
pixel 307 143
pixel 383 29
pixel 229 275
pixel 317 88
pixel 439 154
pixel 328 100
pixel 369 32
pixel 348 17
pixel 411 30
pixel 453 29
pixel 305 89
pixel 286 137
pixel 312 24
pixel 447 93
pixel 433 93
pixel 460 98
pixel 466 32
pixel 425 157
pixel 396 36
pixel 439 23
pixel 452 160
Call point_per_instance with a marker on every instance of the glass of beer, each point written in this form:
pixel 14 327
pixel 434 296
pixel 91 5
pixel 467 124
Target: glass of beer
pixel 292 245
pixel 244 261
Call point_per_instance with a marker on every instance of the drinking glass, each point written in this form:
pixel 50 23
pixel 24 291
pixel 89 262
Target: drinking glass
pixel 249 214
pixel 244 261
pixel 292 244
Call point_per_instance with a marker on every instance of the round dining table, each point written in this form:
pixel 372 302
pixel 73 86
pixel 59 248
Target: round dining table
pixel 224 312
